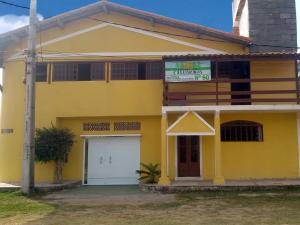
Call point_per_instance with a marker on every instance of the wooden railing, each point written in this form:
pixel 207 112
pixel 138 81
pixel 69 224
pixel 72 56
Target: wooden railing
pixel 287 91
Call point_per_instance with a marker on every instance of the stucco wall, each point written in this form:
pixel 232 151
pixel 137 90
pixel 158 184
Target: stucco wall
pixel 275 157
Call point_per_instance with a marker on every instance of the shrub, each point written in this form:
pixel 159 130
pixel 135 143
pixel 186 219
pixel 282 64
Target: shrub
pixel 150 173
pixel 54 144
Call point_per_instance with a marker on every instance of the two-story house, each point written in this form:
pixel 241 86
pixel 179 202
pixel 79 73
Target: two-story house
pixel 138 87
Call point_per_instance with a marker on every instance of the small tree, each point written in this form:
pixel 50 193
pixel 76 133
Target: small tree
pixel 54 144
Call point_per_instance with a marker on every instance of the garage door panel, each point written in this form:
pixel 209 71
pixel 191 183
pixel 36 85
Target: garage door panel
pixel 113 160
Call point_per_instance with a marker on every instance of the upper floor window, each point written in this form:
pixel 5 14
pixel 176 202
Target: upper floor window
pixel 78 71
pixel 41 72
pixel 136 71
pixel 241 131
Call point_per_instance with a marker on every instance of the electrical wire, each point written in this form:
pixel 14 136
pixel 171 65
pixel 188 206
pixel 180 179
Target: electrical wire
pixel 14 5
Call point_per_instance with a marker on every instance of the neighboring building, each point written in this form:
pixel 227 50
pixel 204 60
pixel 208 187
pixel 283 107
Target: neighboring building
pixel 101 74
pixel 271 24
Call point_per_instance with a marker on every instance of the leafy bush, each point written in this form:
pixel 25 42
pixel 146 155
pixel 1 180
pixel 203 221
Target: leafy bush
pixel 150 173
pixel 54 144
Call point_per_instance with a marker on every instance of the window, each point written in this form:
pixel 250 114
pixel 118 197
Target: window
pixel 41 72
pixel 241 131
pixel 137 71
pixel 78 71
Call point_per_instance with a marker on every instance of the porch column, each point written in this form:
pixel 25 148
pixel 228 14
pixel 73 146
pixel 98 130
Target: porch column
pixel 164 179
pixel 298 134
pixel 218 179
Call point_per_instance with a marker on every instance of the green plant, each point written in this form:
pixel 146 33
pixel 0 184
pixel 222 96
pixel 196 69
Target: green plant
pixel 150 173
pixel 54 144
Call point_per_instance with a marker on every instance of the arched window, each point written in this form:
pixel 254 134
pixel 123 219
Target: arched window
pixel 241 130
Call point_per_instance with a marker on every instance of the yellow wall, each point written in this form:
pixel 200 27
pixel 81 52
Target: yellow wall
pixel 150 140
pixel 69 104
pixel 275 157
pixel 273 69
pixel 112 40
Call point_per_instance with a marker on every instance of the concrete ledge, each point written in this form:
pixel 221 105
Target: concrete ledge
pixel 8 187
pixel 249 185
pixel 47 187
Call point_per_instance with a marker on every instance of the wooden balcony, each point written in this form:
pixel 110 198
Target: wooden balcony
pixel 258 91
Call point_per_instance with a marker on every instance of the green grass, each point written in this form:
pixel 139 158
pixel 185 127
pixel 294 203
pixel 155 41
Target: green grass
pixel 205 208
pixel 15 204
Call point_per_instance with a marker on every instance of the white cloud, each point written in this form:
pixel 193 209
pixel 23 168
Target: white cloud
pixel 11 22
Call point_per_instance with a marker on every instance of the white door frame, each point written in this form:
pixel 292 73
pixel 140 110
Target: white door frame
pixel 86 137
pixel 201 162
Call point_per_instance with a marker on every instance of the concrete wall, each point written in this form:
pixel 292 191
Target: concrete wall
pixel 272 22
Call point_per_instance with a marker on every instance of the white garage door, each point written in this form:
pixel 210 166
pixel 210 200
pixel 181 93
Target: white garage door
pixel 113 160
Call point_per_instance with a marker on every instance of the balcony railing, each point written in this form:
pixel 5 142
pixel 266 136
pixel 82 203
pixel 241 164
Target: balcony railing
pixel 220 92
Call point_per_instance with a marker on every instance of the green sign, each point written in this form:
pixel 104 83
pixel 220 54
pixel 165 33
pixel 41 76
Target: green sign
pixel 187 71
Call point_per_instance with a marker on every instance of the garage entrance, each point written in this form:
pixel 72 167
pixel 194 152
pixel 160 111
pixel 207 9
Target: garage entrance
pixel 112 160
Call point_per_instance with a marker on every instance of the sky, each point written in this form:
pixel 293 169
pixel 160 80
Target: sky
pixel 198 11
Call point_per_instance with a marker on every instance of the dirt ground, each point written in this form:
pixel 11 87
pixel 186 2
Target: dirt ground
pixel 130 206
pixel 108 195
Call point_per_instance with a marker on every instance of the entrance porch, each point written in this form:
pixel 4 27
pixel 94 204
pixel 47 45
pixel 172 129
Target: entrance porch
pixel 244 145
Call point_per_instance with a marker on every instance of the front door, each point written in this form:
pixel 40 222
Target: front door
pixel 188 156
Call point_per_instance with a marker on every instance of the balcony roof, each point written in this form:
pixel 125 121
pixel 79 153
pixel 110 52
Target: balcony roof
pixel 237 57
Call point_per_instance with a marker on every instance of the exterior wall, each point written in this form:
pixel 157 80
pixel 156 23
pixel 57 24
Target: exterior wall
pixel 12 116
pixel 272 23
pixel 89 99
pixel 275 157
pixel 273 69
pixel 116 40
pixel 150 141
pixel 69 104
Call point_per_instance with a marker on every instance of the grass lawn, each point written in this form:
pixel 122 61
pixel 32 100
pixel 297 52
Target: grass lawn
pixel 206 208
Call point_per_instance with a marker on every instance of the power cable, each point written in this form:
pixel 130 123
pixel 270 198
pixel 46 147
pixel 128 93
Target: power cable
pixel 14 5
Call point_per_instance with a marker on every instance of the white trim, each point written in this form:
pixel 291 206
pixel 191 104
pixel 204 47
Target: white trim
pixel 230 108
pixel 201 162
pixel 188 178
pixel 176 122
pixel 77 33
pixel 191 133
pixel 83 164
pixel 104 54
pixel 167 137
pixel 204 121
pixel 298 135
pixel 111 135
pixel 204 50
pixel 159 36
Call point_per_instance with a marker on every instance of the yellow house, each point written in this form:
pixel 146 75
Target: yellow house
pixel 139 87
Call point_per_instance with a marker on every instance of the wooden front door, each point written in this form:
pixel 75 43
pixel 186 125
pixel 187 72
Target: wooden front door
pixel 188 156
